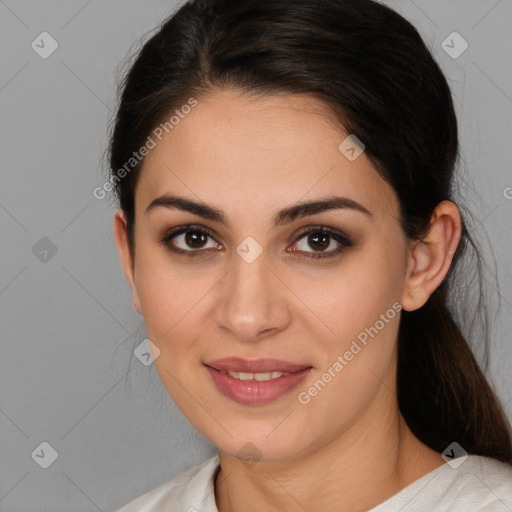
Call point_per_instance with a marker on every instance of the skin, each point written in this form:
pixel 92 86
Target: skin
pixel 349 448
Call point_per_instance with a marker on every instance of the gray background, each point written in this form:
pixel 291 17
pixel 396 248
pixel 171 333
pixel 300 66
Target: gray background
pixel 68 375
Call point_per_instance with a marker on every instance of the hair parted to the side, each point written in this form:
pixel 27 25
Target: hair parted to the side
pixel 371 67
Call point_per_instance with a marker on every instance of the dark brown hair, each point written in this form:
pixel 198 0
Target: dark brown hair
pixel 371 67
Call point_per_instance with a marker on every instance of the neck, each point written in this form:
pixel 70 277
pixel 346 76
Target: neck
pixel 368 463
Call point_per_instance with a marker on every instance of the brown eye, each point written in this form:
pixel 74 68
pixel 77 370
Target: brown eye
pixel 189 240
pixel 196 239
pixel 321 242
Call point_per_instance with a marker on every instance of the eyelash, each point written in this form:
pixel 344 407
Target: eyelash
pixel 339 237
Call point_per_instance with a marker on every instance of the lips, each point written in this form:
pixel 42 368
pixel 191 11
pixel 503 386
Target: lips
pixel 236 364
pixel 255 382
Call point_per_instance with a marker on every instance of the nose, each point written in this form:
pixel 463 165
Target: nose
pixel 253 301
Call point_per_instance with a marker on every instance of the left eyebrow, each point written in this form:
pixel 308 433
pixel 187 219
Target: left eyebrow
pixel 284 216
pixel 318 206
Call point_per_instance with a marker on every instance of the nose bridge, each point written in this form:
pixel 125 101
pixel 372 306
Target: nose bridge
pixel 251 303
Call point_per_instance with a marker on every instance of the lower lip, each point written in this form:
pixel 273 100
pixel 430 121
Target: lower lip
pixel 253 391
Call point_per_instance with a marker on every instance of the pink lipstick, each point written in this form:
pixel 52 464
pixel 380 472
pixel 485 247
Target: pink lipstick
pixel 258 381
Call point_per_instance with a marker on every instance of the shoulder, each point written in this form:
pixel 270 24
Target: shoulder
pixel 189 490
pixel 476 484
pixel 483 482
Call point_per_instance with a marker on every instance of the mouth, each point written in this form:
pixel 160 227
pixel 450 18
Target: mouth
pixel 260 377
pixel 256 381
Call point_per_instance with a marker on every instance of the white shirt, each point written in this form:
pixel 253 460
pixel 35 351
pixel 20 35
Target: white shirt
pixel 478 484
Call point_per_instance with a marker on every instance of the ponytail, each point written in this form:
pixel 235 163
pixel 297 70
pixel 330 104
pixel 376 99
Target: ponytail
pixel 442 392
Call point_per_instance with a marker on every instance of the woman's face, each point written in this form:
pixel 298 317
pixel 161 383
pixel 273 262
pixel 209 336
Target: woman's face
pixel 261 276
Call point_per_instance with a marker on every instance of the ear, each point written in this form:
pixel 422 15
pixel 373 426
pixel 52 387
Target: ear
pixel 430 258
pixel 123 248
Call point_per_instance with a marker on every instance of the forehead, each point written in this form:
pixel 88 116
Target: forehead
pixel 240 150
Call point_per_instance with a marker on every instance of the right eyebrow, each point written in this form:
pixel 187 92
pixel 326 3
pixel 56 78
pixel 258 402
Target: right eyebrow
pixel 180 203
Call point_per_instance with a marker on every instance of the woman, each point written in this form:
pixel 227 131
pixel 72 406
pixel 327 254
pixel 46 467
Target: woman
pixel 287 226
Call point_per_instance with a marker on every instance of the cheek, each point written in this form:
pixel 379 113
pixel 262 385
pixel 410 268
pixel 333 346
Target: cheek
pixel 360 306
pixel 357 365
pixel 169 296
pixel 353 295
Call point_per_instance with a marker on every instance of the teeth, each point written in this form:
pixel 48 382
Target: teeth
pixel 256 376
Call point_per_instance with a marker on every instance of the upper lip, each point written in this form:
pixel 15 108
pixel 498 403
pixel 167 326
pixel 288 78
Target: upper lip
pixel 237 364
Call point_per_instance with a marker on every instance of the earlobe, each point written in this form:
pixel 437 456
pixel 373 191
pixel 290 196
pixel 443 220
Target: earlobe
pixel 431 258
pixel 123 248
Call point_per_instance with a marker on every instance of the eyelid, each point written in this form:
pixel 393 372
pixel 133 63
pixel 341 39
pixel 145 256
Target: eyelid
pixel 339 236
pixel 321 228
pixel 178 230
pixel 169 234
pixel 344 242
